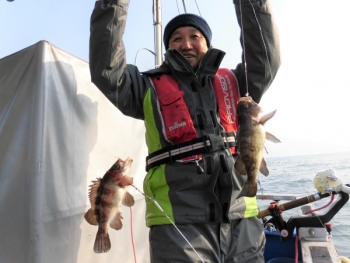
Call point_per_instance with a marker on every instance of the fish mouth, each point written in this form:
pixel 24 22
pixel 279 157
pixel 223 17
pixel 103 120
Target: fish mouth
pixel 127 166
pixel 128 160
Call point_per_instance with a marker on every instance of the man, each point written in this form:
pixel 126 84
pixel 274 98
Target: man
pixel 188 105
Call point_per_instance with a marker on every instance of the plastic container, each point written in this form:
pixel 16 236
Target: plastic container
pixel 281 260
pixel 275 249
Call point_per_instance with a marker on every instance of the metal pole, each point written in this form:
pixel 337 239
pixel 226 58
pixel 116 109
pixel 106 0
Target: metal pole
pixel 157 19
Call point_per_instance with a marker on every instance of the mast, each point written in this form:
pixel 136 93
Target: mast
pixel 157 22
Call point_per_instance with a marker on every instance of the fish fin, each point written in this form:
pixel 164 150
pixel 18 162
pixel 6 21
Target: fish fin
pixel 249 189
pixel 90 217
pixel 126 180
pixel 271 137
pixel 263 168
pixel 93 191
pixel 102 242
pixel 264 118
pixel 116 222
pixel 128 199
pixel 240 167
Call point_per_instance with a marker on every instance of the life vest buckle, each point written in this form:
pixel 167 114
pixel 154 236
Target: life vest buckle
pixel 214 142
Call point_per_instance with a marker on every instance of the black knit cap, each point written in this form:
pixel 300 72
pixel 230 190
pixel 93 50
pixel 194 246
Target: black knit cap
pixel 186 20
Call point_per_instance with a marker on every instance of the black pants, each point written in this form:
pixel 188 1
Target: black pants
pixel 242 241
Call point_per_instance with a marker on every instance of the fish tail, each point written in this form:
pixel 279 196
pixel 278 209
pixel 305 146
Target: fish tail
pixel 102 242
pixel 249 190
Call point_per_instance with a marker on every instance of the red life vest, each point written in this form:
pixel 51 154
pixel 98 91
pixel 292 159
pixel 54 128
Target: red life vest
pixel 177 122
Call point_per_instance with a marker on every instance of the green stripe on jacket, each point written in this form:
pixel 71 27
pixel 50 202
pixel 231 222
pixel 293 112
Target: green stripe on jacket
pixel 155 185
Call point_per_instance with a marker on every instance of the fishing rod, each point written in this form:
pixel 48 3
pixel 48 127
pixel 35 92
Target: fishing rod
pixel 157 22
pixel 292 204
pixel 328 184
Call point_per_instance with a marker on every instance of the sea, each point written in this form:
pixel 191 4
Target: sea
pixel 296 174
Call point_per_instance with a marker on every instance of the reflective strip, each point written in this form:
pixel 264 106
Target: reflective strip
pixel 251 209
pixel 230 139
pixel 178 151
pixel 185 149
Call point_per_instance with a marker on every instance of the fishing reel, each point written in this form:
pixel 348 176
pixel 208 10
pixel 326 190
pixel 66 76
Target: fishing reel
pixel 327 184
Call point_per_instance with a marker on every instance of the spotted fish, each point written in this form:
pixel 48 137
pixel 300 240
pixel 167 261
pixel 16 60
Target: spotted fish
pixel 106 196
pixel 250 143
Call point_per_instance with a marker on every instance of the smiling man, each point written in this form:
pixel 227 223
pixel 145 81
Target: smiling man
pixel 189 108
pixel 190 35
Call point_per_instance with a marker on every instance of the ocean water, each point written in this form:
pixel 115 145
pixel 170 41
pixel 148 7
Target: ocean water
pixel 296 174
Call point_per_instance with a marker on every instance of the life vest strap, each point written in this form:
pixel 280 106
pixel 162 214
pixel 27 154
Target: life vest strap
pixel 207 143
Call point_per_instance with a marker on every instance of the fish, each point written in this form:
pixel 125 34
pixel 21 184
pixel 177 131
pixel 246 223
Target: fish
pixel 106 195
pixel 250 143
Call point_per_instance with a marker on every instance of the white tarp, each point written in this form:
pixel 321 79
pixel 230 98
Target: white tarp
pixel 57 134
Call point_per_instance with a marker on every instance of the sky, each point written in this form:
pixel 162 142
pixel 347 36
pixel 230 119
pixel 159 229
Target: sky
pixel 310 92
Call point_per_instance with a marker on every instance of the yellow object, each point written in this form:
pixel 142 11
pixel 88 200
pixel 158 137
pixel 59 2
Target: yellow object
pixel 327 181
pixel 344 259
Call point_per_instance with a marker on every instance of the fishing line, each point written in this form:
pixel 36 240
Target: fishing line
pixel 262 38
pixel 117 120
pixel 183 3
pixel 198 8
pixel 178 9
pixel 243 44
pixel 244 51
pixel 138 51
pixel 259 184
pixel 132 235
pixel 162 210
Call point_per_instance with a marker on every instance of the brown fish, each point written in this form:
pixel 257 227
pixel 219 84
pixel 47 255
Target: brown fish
pixel 250 143
pixel 106 196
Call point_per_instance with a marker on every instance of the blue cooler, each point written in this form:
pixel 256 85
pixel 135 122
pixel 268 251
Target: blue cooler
pixel 280 251
pixel 282 260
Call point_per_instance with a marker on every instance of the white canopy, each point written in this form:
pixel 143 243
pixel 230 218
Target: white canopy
pixel 58 133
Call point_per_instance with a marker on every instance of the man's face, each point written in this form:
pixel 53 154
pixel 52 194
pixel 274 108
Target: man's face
pixel 190 42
